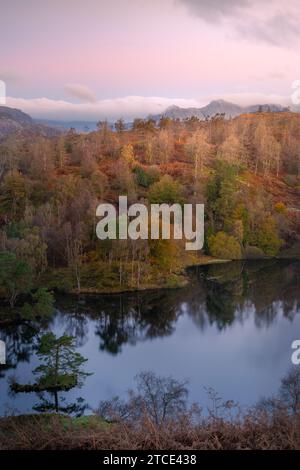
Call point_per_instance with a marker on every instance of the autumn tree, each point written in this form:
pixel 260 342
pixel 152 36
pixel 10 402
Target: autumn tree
pixel 231 150
pixel 14 195
pixel 127 154
pixel 42 159
pixel 165 145
pixel 224 246
pixel 165 122
pixel 268 150
pixel 265 235
pixel 124 181
pixel 197 149
pixel 149 150
pixel 61 152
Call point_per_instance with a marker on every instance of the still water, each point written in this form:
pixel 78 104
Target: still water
pixel 230 328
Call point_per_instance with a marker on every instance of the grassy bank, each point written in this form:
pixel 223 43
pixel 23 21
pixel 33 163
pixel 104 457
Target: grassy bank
pixel 53 432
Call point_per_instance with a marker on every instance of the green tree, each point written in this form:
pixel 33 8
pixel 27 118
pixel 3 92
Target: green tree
pixel 42 305
pixel 32 250
pixel 61 368
pixel 221 193
pixel 166 191
pixel 265 236
pixel 15 277
pixel 145 177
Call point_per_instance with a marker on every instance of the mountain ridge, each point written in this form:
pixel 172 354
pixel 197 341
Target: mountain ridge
pixel 14 120
pixel 228 109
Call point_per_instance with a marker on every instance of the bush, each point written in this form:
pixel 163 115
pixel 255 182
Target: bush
pixel 166 191
pixel 224 246
pixel 145 177
pixel 266 237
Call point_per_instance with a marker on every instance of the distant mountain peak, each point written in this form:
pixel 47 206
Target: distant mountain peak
pixel 218 106
pixel 15 115
pixel 220 101
pixel 173 106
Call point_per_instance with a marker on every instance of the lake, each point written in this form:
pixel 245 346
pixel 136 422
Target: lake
pixel 230 328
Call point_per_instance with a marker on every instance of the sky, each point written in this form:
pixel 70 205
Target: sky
pixel 96 59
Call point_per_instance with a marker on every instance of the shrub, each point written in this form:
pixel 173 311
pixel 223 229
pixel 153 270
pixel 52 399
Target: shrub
pixel 145 177
pixel 224 246
pixel 166 191
pixel 266 237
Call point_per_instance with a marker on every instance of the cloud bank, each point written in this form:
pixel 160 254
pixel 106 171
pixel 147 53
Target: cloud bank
pixel 270 21
pixel 215 10
pixel 128 107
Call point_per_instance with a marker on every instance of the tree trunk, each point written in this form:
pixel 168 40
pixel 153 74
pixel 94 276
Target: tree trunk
pixel 56 401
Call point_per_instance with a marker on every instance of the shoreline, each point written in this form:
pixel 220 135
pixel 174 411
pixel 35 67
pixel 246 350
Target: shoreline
pixel 182 278
pixel 185 277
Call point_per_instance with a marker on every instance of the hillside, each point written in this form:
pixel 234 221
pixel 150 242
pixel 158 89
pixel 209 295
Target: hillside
pixel 14 121
pixel 245 170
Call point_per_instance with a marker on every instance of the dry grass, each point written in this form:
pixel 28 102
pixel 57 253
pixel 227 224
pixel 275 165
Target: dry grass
pixel 254 431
